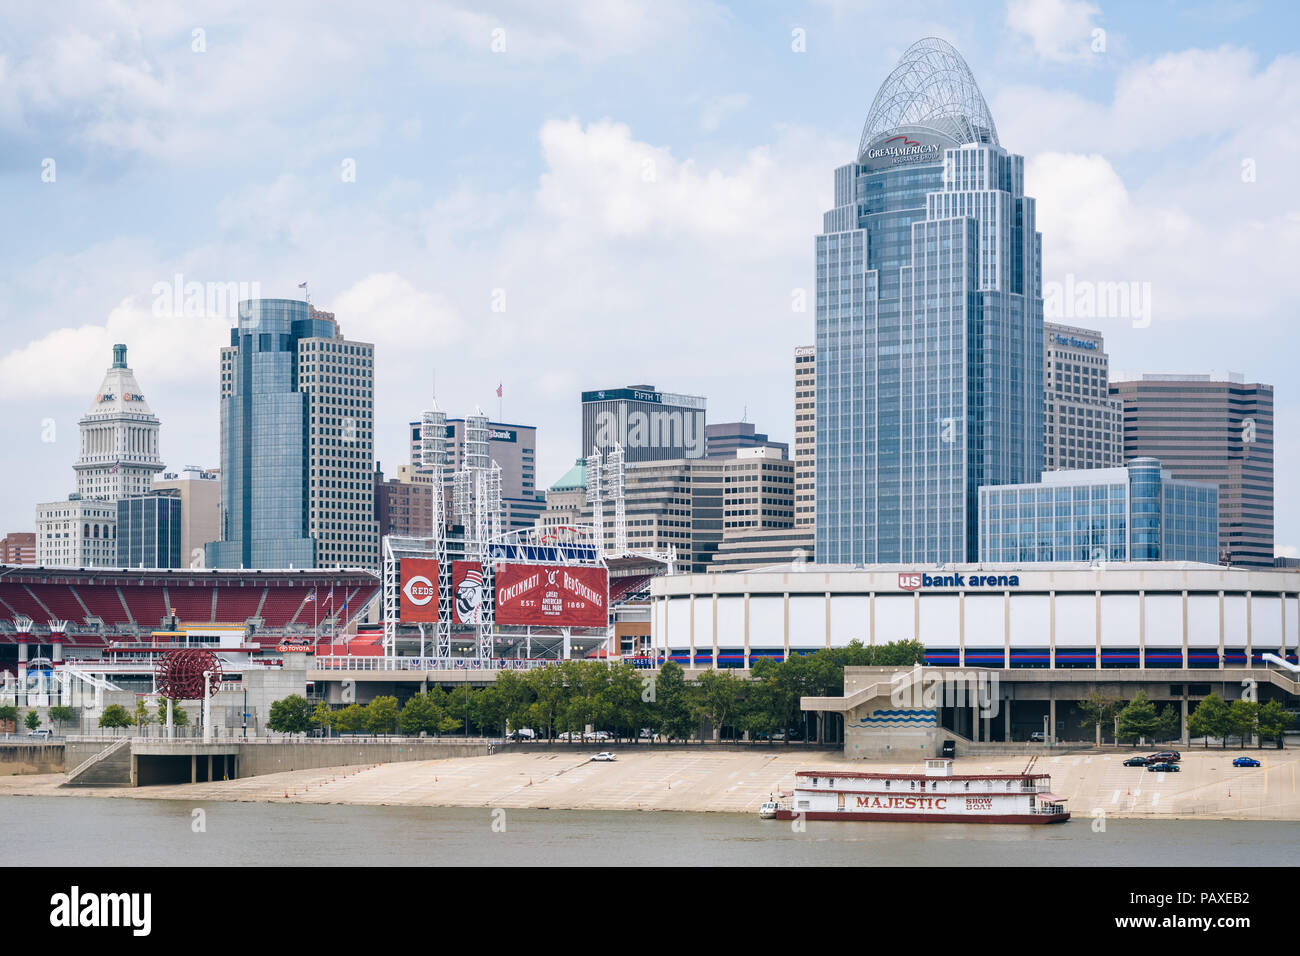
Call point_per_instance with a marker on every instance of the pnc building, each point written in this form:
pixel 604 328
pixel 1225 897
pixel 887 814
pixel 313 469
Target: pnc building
pixel 929 324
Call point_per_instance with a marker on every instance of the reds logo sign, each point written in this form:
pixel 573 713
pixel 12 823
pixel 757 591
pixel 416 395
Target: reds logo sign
pixel 419 585
pixel 909 581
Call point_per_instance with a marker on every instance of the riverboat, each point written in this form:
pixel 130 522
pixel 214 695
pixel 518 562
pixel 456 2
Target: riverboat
pixel 936 796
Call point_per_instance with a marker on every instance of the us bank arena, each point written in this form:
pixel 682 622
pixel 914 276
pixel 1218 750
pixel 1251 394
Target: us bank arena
pixel 1044 636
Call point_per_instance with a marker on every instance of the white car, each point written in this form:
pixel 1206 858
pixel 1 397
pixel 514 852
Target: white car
pixel 604 757
pixel 596 735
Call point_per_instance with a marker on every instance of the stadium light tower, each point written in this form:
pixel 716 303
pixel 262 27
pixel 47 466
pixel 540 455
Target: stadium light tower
pixel 433 460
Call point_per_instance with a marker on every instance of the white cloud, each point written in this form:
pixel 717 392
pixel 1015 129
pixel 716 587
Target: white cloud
pixel 1060 30
pixel 69 361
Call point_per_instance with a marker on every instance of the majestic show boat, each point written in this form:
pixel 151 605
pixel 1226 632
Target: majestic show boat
pixel 936 796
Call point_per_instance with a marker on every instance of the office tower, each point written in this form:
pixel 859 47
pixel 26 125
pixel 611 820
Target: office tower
pixel 805 435
pixel 149 530
pixel 118 458
pixel 513 447
pixel 1138 512
pixel 724 439
pixel 18 547
pixel 403 508
pixel 1212 427
pixel 650 425
pixel 297 442
pixel 199 490
pixel 929 362
pixel 1083 425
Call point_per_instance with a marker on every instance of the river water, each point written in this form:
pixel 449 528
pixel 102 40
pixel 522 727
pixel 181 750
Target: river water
pixel 88 831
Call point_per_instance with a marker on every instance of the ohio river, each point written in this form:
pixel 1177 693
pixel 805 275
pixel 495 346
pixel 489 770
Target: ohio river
pixel 63 831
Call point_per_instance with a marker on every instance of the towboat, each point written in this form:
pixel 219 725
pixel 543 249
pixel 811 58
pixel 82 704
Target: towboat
pixel 936 796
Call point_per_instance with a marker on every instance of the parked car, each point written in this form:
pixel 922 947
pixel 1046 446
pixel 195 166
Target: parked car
pixel 523 733
pixel 45 734
pixel 1162 768
pixel 647 734
pixel 567 736
pixel 1165 756
pixel 1245 762
pixel 1136 762
pixel 596 735
pixel 604 757
pixel 1036 737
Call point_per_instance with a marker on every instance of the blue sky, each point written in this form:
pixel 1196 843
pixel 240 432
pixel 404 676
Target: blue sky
pixel 639 182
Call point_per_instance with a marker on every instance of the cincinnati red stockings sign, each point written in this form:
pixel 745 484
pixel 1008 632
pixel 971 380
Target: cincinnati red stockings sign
pixel 419 603
pixel 548 596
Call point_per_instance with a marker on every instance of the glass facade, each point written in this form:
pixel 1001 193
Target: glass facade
pixel 929 361
pixel 264 469
pixel 149 532
pixel 1136 513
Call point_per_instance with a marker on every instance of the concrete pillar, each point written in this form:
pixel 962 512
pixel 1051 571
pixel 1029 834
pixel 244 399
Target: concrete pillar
pixel 194 768
pixel 209 768
pixel 1006 712
pixel 975 721
pixel 1051 717
pixel 22 671
pixel 1184 738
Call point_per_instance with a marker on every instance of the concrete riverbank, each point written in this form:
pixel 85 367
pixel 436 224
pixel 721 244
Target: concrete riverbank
pixel 1208 787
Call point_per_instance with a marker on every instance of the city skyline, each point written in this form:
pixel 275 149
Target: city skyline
pixel 1066 107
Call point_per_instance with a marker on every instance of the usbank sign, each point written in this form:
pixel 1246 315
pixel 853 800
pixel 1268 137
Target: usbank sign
pixel 913 581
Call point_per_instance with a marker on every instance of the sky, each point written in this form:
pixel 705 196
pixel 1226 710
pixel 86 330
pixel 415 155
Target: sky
pixel 562 196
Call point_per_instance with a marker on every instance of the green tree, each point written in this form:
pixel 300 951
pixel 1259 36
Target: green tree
pixel 719 694
pixel 1100 711
pixel 1273 721
pixel 141 714
pixel 1138 718
pixel 9 714
pixel 322 716
pixel 669 711
pixel 32 720
pixel 1241 718
pixel 621 701
pixel 420 715
pixel 1209 719
pixel 350 719
pixel 290 715
pixel 1167 724
pixel 114 716
pixel 381 715
pixel 62 715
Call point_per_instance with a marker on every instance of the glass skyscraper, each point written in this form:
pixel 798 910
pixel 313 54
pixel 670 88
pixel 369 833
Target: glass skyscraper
pixel 929 344
pixel 297 442
pixel 1135 513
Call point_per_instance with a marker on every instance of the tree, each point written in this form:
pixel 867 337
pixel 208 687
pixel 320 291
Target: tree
pixel 350 719
pixel 420 714
pixel 1241 718
pixel 1138 719
pixel 1100 711
pixel 1167 724
pixel 32 720
pixel 114 716
pixel 322 716
pixel 381 715
pixel 1273 721
pixel 1209 719
pixel 719 694
pixel 179 717
pixel 62 715
pixel 669 711
pixel 290 715
pixel 8 714
pixel 141 714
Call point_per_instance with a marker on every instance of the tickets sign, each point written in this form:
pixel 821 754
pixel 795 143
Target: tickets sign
pixel 544 595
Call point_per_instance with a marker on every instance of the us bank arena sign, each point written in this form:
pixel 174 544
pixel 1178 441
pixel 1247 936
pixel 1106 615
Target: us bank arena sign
pixel 913 581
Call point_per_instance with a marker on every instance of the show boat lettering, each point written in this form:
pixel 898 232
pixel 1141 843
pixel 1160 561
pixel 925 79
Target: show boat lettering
pixel 904 803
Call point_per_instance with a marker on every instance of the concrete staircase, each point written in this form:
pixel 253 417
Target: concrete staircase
pixel 111 767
